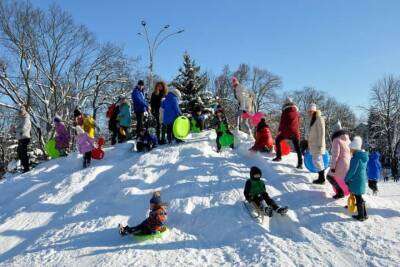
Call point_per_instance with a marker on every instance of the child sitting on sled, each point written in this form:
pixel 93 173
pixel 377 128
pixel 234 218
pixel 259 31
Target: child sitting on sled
pixel 155 221
pixel 145 141
pixel 264 141
pixel 221 127
pixel 255 192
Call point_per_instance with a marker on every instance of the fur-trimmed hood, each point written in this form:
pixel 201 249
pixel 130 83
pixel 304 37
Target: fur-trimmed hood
pixel 177 93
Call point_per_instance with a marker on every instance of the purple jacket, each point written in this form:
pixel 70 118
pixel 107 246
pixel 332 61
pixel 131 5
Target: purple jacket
pixel 84 143
pixel 62 136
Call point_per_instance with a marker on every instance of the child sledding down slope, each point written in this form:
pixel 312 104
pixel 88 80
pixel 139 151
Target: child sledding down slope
pixel 254 191
pixel 155 221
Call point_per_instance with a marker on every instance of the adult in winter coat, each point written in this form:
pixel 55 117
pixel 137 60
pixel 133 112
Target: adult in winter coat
pixel 356 177
pixel 170 111
pixel 159 93
pixel 23 134
pixel 316 141
pixel 140 105
pixel 245 101
pixel 62 136
pixel 85 145
pixel 340 160
pixel 374 171
pixel 264 141
pixel 124 119
pixel 113 125
pixel 289 128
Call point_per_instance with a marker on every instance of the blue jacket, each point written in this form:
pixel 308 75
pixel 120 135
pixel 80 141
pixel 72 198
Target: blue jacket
pixel 356 177
pixel 148 139
pixel 171 108
pixel 124 115
pixel 139 102
pixel 374 166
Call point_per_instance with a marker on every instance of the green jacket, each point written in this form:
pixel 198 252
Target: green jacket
pixel 253 187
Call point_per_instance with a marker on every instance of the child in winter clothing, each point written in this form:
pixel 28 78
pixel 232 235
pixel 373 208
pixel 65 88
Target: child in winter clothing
pixel 145 141
pixel 62 136
pixel 220 124
pixel 264 141
pixel 124 119
pixel 374 171
pixel 356 177
pixel 155 221
pixel 198 118
pixel 254 191
pixel 85 145
pixel 170 111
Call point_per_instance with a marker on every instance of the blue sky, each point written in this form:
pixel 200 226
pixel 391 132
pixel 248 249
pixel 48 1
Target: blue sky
pixel 339 46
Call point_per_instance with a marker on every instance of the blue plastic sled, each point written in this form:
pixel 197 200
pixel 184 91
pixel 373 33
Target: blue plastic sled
pixel 309 164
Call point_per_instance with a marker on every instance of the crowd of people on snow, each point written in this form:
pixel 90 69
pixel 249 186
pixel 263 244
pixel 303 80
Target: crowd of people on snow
pixel 351 168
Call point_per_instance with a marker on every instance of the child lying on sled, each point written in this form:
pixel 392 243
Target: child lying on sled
pixel 155 221
pixel 255 192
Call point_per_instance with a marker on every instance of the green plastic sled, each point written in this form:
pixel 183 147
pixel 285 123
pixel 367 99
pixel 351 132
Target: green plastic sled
pixel 181 127
pixel 226 140
pixel 51 149
pixel 194 128
pixel 158 234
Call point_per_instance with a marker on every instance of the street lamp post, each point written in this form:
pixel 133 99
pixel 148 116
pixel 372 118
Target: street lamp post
pixel 154 44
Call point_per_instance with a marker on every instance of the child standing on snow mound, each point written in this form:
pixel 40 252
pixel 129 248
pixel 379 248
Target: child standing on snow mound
pixel 356 177
pixel 155 221
pixel 145 141
pixel 198 118
pixel 264 141
pixel 62 136
pixel 85 145
pixel 221 126
pixel 254 191
pixel 374 171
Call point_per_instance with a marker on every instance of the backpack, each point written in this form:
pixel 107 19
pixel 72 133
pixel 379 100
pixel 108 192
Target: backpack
pixel 110 110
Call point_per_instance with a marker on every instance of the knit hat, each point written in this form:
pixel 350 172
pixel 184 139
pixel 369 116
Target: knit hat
pixel 288 100
pixel 140 83
pixel 79 130
pixel 312 107
pixel 337 127
pixel 356 144
pixel 177 93
pixel 255 172
pixel 156 198
pixel 77 112
pixel 235 81
pixel 57 118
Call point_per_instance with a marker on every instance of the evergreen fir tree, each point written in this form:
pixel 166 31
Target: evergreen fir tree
pixel 191 83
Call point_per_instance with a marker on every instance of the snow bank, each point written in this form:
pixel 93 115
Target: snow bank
pixel 59 214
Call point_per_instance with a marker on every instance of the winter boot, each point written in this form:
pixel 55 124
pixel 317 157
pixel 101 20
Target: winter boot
pixel 321 178
pixel 277 159
pixel 362 213
pixel 338 189
pixel 300 166
pixel 282 210
pixel 268 211
pixel 122 230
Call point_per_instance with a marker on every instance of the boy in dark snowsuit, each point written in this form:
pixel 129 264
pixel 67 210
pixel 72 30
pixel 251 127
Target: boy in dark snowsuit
pixel 221 125
pixel 254 191
pixel 155 221
pixel 145 141
pixel 374 169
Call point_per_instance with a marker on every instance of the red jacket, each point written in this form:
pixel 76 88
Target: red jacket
pixel 264 138
pixel 290 122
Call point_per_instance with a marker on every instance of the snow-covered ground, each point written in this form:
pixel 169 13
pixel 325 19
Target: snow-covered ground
pixel 61 215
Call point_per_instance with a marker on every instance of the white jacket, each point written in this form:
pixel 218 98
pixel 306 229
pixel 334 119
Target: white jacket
pixel 244 97
pixel 316 136
pixel 23 129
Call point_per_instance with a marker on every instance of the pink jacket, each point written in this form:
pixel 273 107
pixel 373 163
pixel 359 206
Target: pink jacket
pixel 84 143
pixel 341 155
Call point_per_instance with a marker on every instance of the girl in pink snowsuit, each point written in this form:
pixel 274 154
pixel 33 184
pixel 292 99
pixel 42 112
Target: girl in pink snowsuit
pixel 62 136
pixel 85 146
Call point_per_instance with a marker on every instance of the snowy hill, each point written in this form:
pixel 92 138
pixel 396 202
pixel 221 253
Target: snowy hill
pixel 60 215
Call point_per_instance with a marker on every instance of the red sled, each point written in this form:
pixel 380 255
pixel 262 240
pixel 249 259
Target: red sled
pixel 285 148
pixel 98 153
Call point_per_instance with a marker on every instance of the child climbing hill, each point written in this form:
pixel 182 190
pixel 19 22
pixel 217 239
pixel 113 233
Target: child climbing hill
pixel 221 126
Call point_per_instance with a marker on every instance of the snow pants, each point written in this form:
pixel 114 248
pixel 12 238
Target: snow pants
pixel 22 151
pixel 264 196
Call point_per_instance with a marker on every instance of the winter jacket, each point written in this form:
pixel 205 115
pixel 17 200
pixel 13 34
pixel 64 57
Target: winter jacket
pixel 356 177
pixel 140 104
pixel 84 143
pixel 220 125
pixel 374 167
pixel 263 139
pixel 199 120
pixel 289 125
pixel 155 102
pixel 253 188
pixel 147 139
pixel 62 135
pixel 170 107
pixel 113 122
pixel 156 219
pixel 124 115
pixel 341 156
pixel 89 126
pixel 316 135
pixel 244 97
pixel 23 129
